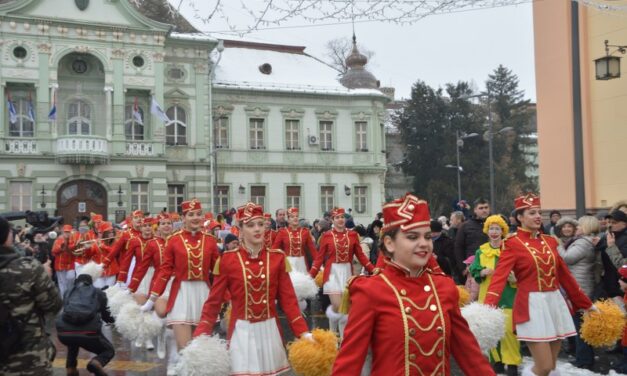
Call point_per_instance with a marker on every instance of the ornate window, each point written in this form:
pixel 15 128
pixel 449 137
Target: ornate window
pixel 21 195
pixel 176 196
pixel 79 118
pixel 176 128
pixel 24 125
pixel 139 196
pixel 221 133
pixel 134 127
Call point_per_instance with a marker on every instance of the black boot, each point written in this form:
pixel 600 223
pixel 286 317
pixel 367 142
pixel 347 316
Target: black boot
pixel 96 368
pixel 498 367
pixel 512 370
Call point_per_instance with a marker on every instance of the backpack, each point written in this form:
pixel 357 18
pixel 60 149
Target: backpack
pixel 11 329
pixel 80 305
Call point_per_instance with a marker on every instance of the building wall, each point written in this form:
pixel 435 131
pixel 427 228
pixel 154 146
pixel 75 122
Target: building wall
pixel 603 107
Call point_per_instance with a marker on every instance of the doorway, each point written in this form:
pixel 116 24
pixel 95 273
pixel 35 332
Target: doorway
pixel 79 198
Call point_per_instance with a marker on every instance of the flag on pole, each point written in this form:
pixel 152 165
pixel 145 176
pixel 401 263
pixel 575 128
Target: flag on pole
pixel 136 114
pixel 52 115
pixel 156 110
pixel 31 111
pixel 12 110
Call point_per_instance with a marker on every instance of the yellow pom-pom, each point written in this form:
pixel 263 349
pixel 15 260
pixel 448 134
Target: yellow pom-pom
pixel 464 295
pixel 319 279
pixel 605 327
pixel 313 358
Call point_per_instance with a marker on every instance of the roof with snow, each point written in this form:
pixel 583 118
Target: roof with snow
pixel 284 68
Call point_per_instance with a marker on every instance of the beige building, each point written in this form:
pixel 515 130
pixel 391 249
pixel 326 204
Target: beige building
pixel 604 105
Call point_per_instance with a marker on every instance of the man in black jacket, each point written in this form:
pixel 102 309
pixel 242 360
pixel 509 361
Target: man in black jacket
pixel 444 250
pixel 87 335
pixel 470 235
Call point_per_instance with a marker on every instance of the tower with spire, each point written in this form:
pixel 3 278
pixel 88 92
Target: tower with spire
pixel 357 76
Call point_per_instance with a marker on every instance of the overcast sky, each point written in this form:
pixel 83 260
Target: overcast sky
pixel 438 49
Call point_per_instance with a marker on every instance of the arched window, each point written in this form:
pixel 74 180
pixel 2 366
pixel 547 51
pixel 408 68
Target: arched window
pixel 23 125
pixel 176 127
pixel 133 128
pixel 79 118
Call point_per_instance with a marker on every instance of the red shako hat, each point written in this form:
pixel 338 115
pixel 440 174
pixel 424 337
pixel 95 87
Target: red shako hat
pixel 248 212
pixel 407 213
pixel 337 211
pixel 190 205
pixel 527 201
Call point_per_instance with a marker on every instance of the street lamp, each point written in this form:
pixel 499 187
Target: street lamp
pixel 43 196
pixel 608 66
pixel 459 142
pixel 120 203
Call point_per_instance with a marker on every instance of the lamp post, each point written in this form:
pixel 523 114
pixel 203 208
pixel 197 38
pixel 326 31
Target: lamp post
pixel 120 203
pixel 459 142
pixel 608 66
pixel 43 197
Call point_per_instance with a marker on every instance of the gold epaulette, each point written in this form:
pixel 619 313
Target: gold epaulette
pixel 216 267
pixel 346 302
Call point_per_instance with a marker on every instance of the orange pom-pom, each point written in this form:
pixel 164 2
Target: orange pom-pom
pixel 319 279
pixel 313 358
pixel 464 295
pixel 605 327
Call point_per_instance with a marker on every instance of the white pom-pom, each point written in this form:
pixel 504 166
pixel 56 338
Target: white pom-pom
pixel 118 301
pixel 304 286
pixel 204 356
pixel 486 323
pixel 52 235
pixel 112 291
pixel 92 269
pixel 135 325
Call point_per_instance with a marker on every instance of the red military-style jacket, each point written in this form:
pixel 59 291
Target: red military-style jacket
pixel 81 240
pixel 338 247
pixel 538 267
pixel 121 245
pixel 412 324
pixel 254 285
pixel 268 238
pixel 97 253
pixel 189 258
pixel 153 256
pixel 62 252
pixel 295 242
pixel 136 247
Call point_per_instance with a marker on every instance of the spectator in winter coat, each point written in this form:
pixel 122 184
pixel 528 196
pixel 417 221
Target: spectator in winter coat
pixel 565 229
pixel 28 291
pixel 444 250
pixel 613 249
pixel 581 258
pixel 470 235
pixel 554 216
pixel 457 218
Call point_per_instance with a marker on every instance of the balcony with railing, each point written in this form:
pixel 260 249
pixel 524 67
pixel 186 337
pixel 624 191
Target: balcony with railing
pixel 140 149
pixel 75 149
pixel 20 146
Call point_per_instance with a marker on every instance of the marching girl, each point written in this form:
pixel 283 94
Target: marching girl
pixel 136 249
pixel 99 250
pixel 296 242
pixel 190 255
pixel 338 246
pixel 486 258
pixel 120 247
pixel 541 316
pixel 255 277
pixel 408 314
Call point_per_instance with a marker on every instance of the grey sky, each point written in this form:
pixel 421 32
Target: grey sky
pixel 438 49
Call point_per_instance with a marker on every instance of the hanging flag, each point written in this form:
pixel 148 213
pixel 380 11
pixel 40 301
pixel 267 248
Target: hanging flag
pixel 156 110
pixel 52 115
pixel 12 111
pixel 136 114
pixel 31 111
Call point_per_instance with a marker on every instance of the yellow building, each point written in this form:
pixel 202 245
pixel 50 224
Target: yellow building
pixel 604 105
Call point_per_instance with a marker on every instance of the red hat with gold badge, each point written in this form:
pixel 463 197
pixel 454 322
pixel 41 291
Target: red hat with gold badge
pixel 267 215
pixel 191 205
pixel 407 213
pixel 292 211
pixel 248 212
pixel 137 213
pixel 337 212
pixel 527 201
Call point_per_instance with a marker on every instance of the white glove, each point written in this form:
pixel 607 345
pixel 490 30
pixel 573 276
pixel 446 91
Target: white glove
pixel 308 336
pixel 593 308
pixel 147 306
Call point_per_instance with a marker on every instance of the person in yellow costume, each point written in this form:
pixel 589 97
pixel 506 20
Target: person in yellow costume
pixel 507 352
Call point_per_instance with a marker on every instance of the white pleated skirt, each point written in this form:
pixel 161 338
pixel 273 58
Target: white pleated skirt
pixel 257 349
pixel 298 264
pixel 144 285
pixel 338 276
pixel 187 307
pixel 549 318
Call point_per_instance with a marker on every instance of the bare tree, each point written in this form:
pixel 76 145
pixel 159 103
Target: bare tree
pixel 338 49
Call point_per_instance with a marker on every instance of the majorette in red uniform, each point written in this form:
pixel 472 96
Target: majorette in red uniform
pixel 64 258
pixel 120 246
pixel 99 251
pixel 296 242
pixel 269 235
pixel 190 256
pixel 338 246
pixel 256 277
pixel 136 249
pixel 541 315
pixel 408 314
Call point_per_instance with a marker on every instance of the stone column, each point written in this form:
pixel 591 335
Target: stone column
pixel 108 112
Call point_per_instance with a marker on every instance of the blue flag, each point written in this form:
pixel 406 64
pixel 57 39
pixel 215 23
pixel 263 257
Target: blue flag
pixel 12 112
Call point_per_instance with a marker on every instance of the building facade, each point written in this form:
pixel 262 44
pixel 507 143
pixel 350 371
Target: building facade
pixel 104 151
pixel 604 105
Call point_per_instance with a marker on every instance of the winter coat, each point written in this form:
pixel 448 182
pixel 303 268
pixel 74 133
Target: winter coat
pixel 581 259
pixel 94 326
pixel 613 258
pixel 444 249
pixel 469 238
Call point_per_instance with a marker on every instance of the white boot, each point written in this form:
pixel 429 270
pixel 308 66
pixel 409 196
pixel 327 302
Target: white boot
pixel 173 355
pixel 342 324
pixel 149 345
pixel 161 344
pixel 334 317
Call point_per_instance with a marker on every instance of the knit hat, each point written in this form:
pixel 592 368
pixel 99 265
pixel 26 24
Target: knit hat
pixel 229 238
pixel 5 228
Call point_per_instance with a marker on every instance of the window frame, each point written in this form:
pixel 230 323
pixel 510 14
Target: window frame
pixel 256 120
pixel 136 197
pixel 322 139
pixel 255 198
pixel 20 100
pixel 361 136
pixel 217 205
pixel 178 197
pixel 332 197
pixel 222 123
pixel 174 121
pixel 23 193
pixel 288 203
pixel 364 197
pixel 80 118
pixel 292 136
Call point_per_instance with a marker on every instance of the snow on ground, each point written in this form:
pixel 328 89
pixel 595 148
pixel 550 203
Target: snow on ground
pixel 566 369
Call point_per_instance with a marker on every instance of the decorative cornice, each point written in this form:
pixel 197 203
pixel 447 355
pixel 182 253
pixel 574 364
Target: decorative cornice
pixel 291 112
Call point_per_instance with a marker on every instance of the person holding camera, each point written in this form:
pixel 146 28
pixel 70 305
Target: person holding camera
pixel 27 293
